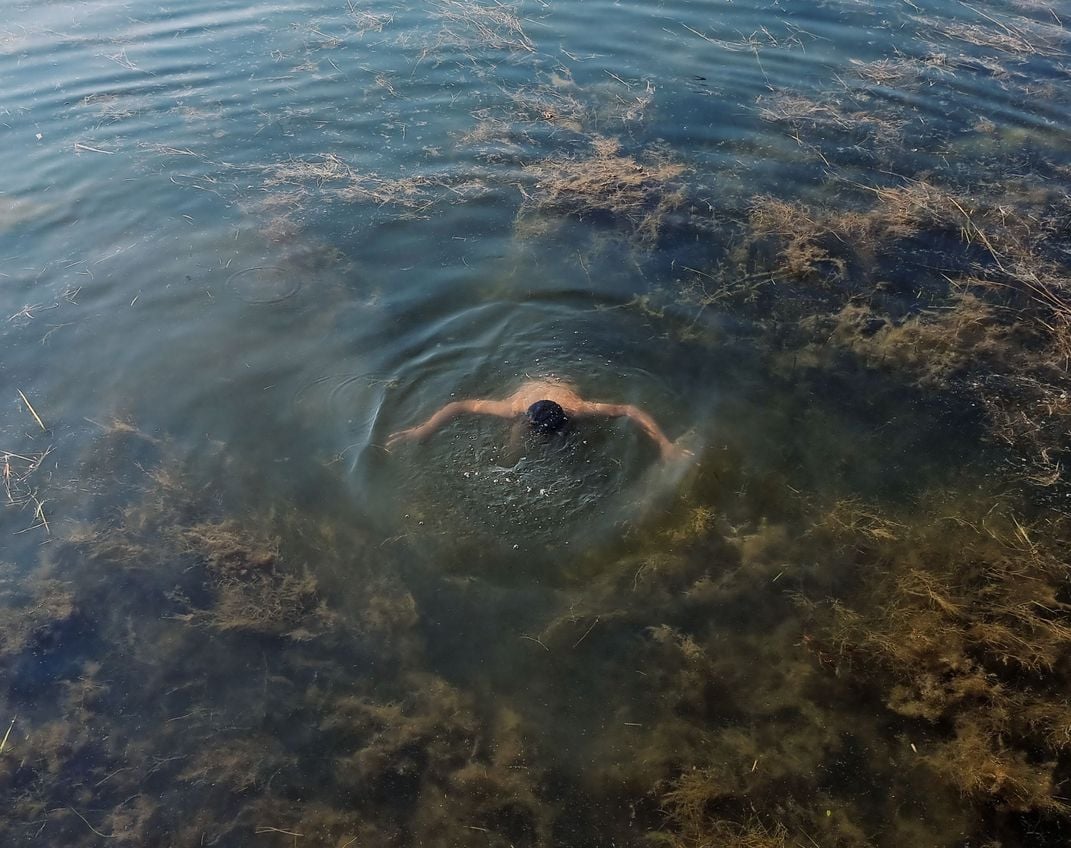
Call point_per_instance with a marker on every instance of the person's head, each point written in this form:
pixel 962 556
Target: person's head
pixel 546 416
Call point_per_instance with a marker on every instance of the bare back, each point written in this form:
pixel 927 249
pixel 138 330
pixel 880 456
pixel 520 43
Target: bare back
pixel 535 390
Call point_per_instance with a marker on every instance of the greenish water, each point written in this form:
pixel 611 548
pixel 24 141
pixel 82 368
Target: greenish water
pixel 824 245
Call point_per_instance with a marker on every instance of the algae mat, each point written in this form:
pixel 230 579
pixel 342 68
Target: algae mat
pixel 825 246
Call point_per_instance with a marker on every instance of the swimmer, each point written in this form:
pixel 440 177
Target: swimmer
pixel 548 405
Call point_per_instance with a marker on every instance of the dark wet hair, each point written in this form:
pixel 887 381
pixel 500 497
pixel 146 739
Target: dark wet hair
pixel 546 416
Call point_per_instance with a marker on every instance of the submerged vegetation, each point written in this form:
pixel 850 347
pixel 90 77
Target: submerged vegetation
pixel 831 640
pixel 634 195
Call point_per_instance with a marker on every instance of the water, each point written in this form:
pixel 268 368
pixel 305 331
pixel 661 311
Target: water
pixel 244 243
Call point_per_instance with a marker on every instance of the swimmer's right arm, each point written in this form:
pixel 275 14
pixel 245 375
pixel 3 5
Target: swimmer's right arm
pixel 500 408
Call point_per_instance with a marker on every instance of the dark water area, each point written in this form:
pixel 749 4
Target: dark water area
pixel 825 246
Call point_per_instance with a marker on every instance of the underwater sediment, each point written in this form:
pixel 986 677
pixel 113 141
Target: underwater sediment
pixel 847 623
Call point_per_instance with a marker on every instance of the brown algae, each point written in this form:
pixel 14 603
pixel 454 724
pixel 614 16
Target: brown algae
pixel 783 657
pixel 767 666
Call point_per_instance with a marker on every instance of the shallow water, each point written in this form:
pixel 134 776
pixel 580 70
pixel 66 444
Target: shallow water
pixel 243 243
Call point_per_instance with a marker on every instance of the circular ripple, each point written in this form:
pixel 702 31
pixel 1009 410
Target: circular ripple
pixel 484 495
pixel 264 284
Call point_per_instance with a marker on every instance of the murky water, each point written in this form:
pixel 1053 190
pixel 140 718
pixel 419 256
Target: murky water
pixel 824 245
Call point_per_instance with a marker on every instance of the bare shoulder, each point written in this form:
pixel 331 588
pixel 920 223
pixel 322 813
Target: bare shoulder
pixel 561 393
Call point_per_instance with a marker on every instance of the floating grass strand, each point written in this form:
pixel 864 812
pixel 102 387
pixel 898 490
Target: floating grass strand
pixel 492 25
pixel 90 826
pixel 32 411
pixel 3 742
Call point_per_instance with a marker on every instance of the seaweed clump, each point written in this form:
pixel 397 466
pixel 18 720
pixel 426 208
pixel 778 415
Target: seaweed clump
pixel 607 185
pixel 966 636
pixel 433 766
pixel 248 591
pixel 177 650
pixel 963 296
pixel 33 616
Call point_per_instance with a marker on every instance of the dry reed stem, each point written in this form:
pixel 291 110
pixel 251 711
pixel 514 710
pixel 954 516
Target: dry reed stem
pixel 266 829
pixel 3 742
pixel 32 411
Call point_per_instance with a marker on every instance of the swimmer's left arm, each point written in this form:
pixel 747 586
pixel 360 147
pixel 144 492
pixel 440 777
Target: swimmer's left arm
pixel 642 419
pixel 499 408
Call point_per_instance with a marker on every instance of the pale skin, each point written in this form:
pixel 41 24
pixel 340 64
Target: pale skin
pixel 516 405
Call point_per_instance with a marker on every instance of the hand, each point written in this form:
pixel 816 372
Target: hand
pixel 404 436
pixel 675 451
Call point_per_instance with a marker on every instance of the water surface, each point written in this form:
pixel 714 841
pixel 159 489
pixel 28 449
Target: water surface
pixel 244 243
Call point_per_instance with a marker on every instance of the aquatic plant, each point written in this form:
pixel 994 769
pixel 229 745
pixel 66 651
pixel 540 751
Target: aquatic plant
pixel 852 626
pixel 605 184
pixel 968 630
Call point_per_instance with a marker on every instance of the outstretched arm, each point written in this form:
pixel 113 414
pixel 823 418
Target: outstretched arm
pixel 502 409
pixel 645 422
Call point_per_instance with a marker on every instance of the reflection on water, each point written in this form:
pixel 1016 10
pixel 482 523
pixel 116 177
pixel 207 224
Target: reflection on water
pixel 823 245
